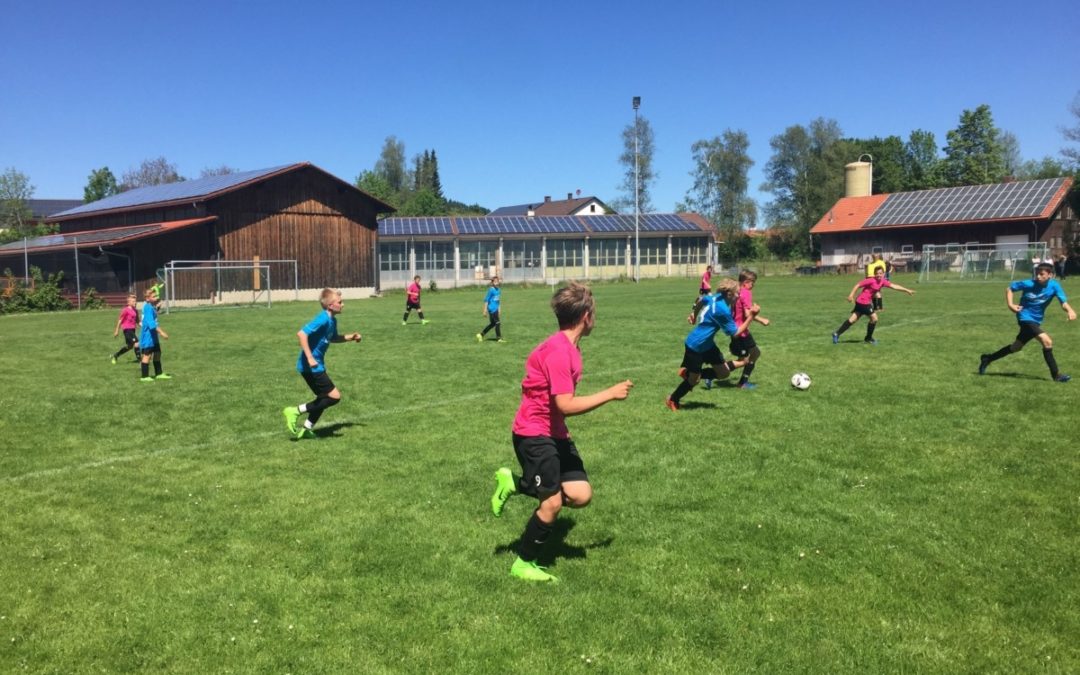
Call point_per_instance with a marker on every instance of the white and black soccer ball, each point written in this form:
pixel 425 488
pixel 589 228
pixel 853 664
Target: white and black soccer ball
pixel 800 381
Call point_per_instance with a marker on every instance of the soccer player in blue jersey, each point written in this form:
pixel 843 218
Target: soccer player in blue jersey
pixel 700 347
pixel 1036 295
pixel 315 339
pixel 491 311
pixel 150 331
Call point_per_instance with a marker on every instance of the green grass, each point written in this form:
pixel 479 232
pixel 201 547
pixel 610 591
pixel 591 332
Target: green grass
pixel 904 514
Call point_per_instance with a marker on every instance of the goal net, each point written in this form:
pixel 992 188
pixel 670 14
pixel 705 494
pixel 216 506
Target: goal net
pixel 227 283
pixel 981 262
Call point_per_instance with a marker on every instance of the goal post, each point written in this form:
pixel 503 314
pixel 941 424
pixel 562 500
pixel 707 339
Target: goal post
pixel 980 262
pixel 230 283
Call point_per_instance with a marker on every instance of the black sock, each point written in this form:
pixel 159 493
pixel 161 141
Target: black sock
pixel 870 331
pixel 157 367
pixel 1048 355
pixel 747 369
pixel 708 373
pixel 877 303
pixel 498 330
pixel 682 390
pixel 405 318
pixel 145 370
pixel 843 327
pixel 1001 353
pixel 533 539
pixel 421 315
pixel 315 408
pixel 138 353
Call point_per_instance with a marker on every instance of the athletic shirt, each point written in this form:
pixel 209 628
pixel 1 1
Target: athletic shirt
pixel 553 368
pixel 492 299
pixel 869 287
pixel 1035 298
pixel 705 279
pixel 873 267
pixel 128 318
pixel 414 293
pixel 714 316
pixel 320 331
pixel 148 334
pixel 742 308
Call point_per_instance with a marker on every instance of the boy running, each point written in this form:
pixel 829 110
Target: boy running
pixel 551 468
pixel 1037 294
pixel 491 311
pixel 864 304
pixel 149 345
pixel 871 271
pixel 315 339
pixel 128 320
pixel 700 347
pixel 412 301
pixel 743 345
pixel 705 287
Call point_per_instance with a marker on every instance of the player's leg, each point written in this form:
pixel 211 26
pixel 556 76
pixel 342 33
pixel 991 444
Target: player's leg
pixel 539 459
pixel 870 329
pixel 751 361
pixel 420 313
pixel 1048 356
pixel 844 326
pixel 1027 332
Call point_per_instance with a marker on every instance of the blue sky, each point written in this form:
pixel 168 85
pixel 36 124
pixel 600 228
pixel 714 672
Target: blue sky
pixel 520 99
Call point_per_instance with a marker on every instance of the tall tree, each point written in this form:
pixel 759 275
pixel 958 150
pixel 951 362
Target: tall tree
pixel 391 164
pixel 435 183
pixel 1010 153
pixel 157 171
pixel 1035 169
pixel 922 164
pixel 101 183
pixel 974 154
pixel 720 184
pixel 1072 155
pixel 889 161
pixel 646 175
pixel 375 185
pixel 15 214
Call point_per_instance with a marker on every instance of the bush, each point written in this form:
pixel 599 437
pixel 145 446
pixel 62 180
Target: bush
pixel 433 286
pixel 91 299
pixel 42 295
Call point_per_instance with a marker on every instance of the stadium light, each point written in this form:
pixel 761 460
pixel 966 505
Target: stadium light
pixel 637 196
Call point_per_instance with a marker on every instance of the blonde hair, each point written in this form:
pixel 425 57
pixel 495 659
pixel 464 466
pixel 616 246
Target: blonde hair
pixel 327 295
pixel 572 303
pixel 729 289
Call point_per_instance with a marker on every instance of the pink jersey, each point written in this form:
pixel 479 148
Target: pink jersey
pixel 553 368
pixel 742 308
pixel 706 279
pixel 869 287
pixel 129 318
pixel 414 292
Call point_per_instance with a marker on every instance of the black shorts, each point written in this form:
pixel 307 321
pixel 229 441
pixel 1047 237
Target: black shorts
pixel 411 305
pixel 129 337
pixel 742 346
pixel 1029 330
pixel 546 463
pixel 863 310
pixel 693 361
pixel 319 383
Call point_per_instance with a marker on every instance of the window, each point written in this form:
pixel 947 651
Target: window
pixel 564 252
pixel 689 250
pixel 907 249
pixel 877 249
pixel 393 256
pixel 475 253
pixel 653 251
pixel 521 254
pixel 607 252
pixel 434 255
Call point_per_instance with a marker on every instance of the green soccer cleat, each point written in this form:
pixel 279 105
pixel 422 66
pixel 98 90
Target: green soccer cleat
pixel 530 571
pixel 424 322
pixel 404 323
pixel 479 337
pixel 500 340
pixel 146 379
pixel 504 489
pixel 291 416
pixel 304 432
pixel 113 359
pixel 163 376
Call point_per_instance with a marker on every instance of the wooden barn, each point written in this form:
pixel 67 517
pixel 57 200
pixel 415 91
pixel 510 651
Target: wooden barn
pixel 295 212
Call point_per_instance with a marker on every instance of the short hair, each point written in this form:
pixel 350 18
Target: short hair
pixel 416 278
pixel 747 275
pixel 150 293
pixel 571 304
pixel 1045 266
pixel 327 294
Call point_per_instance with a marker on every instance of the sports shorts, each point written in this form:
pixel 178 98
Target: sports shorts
pixel 411 305
pixel 319 383
pixel 1029 330
pixel 863 309
pixel 546 463
pixel 693 360
pixel 742 346
pixel 129 337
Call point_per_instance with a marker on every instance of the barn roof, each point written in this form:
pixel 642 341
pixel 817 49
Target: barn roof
pixel 452 226
pixel 43 208
pixel 96 238
pixel 196 190
pixel 548 207
pixel 1020 200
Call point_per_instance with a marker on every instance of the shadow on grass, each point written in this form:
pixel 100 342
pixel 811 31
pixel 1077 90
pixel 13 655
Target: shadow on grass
pixel 1017 376
pixel 556 546
pixel 694 405
pixel 331 430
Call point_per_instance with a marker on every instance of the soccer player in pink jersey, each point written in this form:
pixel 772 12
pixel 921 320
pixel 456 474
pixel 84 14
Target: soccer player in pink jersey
pixel 412 301
pixel 864 304
pixel 551 468
pixel 705 287
pixel 742 344
pixel 128 322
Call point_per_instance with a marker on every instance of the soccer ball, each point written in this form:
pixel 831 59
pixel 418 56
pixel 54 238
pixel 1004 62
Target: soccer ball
pixel 800 381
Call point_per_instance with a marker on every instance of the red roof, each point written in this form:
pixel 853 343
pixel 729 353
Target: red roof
pixel 97 238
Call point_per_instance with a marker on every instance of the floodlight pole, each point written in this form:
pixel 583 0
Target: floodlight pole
pixel 637 195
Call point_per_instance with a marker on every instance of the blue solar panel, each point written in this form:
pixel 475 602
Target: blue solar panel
pixel 999 201
pixel 495 226
pixel 412 227
pixel 188 189
pixel 83 238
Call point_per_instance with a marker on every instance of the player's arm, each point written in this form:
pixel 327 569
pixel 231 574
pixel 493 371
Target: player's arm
pixel 116 331
pixel 162 333
pixel 351 337
pixel 902 289
pixel 1013 307
pixel 1069 311
pixel 851 295
pixel 572 404
pixel 762 320
pixel 306 348
pixel 694 309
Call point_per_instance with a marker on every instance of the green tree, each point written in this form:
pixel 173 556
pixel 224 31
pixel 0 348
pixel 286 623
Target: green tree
pixel 889 162
pixel 1037 169
pixel 1010 153
pixel 391 164
pixel 1072 154
pixel 921 162
pixel 719 191
pixel 101 183
pixel 646 175
pixel 435 183
pixel 376 186
pixel 423 203
pixel 157 171
pixel 15 214
pixel 974 154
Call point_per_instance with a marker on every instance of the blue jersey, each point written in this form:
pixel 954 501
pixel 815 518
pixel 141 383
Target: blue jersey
pixel 320 331
pixel 715 315
pixel 492 299
pixel 148 336
pixel 1035 298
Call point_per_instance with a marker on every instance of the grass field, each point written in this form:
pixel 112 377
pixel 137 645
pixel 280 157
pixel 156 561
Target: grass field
pixel 904 514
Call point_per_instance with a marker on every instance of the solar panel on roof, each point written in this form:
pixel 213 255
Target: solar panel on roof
pixel 534 225
pixel 83 238
pixel 1000 201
